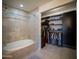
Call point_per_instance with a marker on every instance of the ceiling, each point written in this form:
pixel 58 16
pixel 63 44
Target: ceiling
pixel 28 5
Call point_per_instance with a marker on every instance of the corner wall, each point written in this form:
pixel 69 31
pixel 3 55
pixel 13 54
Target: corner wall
pixel 36 18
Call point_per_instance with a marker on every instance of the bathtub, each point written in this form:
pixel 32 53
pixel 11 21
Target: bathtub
pixel 19 49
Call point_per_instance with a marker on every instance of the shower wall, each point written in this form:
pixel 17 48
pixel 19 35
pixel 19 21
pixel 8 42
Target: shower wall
pixel 15 25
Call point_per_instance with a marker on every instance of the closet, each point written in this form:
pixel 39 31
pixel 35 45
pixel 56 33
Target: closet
pixel 55 30
pixel 59 30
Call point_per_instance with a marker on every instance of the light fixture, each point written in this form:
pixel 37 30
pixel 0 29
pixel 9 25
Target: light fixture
pixel 21 5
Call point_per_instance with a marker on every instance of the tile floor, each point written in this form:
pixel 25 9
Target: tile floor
pixel 53 52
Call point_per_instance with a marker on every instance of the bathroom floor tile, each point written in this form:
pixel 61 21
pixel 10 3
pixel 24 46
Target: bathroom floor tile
pixel 53 52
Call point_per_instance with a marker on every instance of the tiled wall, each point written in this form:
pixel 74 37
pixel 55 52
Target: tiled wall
pixel 15 25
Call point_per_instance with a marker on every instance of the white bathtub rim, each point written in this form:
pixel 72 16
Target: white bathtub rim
pixel 8 50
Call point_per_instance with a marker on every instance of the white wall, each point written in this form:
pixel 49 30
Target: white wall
pixel 36 17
